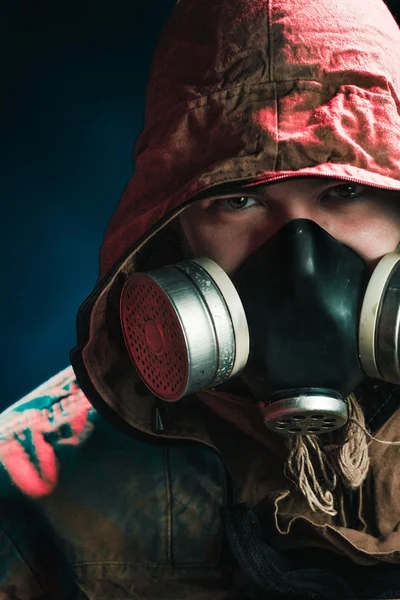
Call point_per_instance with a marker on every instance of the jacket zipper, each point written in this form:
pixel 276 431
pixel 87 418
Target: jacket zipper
pixel 227 569
pixel 160 425
pixel 230 485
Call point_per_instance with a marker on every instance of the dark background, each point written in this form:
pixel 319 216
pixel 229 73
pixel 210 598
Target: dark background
pixel 72 89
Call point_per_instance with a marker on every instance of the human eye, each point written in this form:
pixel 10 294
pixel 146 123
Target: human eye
pixel 235 203
pixel 346 192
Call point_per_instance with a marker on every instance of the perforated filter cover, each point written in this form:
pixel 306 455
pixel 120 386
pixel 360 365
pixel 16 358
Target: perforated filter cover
pixel 305 415
pixel 154 337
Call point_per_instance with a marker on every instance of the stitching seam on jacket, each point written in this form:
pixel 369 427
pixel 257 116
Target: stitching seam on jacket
pixel 168 535
pixel 24 562
pixel 270 49
pixel 371 419
pixel 129 563
pixel 186 106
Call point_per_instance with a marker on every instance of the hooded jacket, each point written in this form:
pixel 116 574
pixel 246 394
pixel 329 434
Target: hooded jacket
pixel 105 491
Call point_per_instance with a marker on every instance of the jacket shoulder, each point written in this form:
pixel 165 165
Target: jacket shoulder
pixel 55 415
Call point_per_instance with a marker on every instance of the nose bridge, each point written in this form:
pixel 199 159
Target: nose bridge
pixel 299 207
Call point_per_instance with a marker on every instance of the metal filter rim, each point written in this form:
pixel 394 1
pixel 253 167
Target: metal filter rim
pixel 305 415
pixel 235 308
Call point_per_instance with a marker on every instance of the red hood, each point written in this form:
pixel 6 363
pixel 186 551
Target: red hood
pixel 243 90
pixel 251 89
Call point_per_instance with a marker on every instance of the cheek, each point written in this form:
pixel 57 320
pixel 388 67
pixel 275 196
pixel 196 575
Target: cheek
pixel 228 244
pixel 224 246
pixel 371 238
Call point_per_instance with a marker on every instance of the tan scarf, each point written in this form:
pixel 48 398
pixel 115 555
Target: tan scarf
pixel 315 464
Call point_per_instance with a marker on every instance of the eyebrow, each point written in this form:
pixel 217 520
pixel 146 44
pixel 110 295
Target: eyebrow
pixel 316 182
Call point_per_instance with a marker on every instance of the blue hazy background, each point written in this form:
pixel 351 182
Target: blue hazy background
pixel 72 83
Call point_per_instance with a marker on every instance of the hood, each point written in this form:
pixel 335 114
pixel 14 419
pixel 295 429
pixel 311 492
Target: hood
pixel 243 91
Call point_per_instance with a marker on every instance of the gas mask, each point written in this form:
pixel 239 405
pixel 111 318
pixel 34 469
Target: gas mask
pixel 302 323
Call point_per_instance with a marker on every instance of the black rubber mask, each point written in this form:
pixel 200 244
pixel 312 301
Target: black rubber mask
pixel 302 292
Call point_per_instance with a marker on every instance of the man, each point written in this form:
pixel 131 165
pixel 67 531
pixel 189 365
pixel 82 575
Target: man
pixel 270 155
